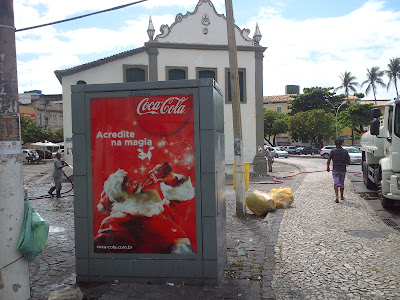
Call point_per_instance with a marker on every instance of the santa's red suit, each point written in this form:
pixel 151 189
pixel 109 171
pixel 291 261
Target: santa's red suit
pixel 143 223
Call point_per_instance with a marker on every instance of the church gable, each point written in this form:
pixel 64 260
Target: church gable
pixel 202 26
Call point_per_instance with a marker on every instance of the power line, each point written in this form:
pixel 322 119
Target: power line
pixel 83 16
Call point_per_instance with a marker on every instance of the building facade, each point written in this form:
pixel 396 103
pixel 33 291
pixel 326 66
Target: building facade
pixel 46 110
pixel 194 46
pixel 280 104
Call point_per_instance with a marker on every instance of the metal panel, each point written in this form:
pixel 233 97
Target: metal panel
pixel 80 197
pixel 78 112
pixel 146 268
pixel 208 155
pixel 209 183
pixel 82 267
pixel 221 192
pixel 209 195
pixel 219 110
pixel 79 141
pixel 209 238
pixel 81 238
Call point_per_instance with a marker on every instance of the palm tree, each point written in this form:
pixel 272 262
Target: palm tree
pixel 348 83
pixel 394 72
pixel 374 78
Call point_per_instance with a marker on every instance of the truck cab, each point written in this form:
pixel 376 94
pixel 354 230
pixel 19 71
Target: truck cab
pixel 380 148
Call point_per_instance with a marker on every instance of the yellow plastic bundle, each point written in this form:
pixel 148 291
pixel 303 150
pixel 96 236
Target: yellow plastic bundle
pixel 260 203
pixel 283 197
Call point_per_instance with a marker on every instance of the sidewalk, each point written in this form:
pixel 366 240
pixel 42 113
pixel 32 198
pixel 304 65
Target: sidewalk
pixel 327 250
pixel 316 249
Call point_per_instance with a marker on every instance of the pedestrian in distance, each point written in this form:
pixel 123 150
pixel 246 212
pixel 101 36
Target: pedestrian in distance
pixel 341 159
pixel 270 158
pixel 57 175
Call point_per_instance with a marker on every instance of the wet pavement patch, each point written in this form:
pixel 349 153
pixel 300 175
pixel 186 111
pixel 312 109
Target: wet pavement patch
pixel 368 234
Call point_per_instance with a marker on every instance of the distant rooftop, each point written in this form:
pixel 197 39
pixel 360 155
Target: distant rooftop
pixel 278 99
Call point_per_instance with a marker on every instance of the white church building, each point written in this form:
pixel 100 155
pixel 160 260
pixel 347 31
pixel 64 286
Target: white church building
pixel 194 46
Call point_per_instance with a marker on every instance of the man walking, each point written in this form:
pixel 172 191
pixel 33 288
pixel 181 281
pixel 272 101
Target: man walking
pixel 341 159
pixel 57 175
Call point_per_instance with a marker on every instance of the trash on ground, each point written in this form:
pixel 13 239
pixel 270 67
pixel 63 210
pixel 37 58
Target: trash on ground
pixel 170 284
pixel 283 197
pixel 260 203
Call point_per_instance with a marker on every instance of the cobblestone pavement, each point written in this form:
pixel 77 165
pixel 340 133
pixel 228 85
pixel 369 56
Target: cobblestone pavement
pixel 316 249
pixel 251 241
pixel 329 250
pixel 54 268
pixel 250 245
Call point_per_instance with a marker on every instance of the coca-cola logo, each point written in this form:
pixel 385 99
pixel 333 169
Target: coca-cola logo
pixel 163 115
pixel 170 106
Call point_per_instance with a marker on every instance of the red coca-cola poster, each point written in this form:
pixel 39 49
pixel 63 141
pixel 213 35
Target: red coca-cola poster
pixel 143 174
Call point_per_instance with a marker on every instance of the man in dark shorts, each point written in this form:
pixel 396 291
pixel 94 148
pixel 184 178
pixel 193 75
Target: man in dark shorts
pixel 341 159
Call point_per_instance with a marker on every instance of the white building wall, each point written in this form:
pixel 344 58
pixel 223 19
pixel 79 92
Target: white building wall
pixel 111 72
pixel 219 59
pixel 192 29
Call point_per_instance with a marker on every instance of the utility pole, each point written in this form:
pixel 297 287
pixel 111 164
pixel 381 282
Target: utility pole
pixel 14 272
pixel 236 116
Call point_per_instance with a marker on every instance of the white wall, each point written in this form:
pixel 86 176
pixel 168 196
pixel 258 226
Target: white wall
pixel 190 29
pixel 219 59
pixel 111 72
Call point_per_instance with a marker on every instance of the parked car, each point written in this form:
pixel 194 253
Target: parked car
pixel 355 155
pixel 30 156
pixel 291 149
pixel 298 150
pixel 326 150
pixel 280 152
pixel 44 153
pixel 309 150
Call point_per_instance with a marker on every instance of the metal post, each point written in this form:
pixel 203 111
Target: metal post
pixel 336 114
pixel 14 272
pixel 236 116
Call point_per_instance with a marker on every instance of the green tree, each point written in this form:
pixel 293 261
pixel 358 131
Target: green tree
pixel 374 79
pixel 355 116
pixel 393 72
pixel 359 95
pixel 274 124
pixel 315 98
pixel 348 83
pixel 314 125
pixel 32 132
pixel 58 135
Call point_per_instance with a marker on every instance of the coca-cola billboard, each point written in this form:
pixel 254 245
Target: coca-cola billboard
pixel 143 174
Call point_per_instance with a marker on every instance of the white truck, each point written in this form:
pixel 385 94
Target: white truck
pixel 380 148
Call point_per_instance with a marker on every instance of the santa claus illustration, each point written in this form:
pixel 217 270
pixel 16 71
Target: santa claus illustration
pixel 140 221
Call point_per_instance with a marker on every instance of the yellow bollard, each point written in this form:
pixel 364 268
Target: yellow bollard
pixel 246 176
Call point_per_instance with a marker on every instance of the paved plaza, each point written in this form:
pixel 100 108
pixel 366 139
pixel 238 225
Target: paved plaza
pixel 316 249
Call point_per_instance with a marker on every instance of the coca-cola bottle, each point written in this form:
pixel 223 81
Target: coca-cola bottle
pixel 161 171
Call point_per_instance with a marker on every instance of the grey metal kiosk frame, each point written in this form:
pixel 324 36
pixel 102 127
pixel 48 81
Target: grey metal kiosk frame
pixel 207 266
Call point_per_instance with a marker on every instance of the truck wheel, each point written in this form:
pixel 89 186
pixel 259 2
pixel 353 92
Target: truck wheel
pixel 367 182
pixel 326 155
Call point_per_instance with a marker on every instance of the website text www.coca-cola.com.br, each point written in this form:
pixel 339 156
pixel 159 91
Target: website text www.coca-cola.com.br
pixel 113 247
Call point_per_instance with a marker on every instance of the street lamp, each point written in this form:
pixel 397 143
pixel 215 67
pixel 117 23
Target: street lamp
pixel 336 113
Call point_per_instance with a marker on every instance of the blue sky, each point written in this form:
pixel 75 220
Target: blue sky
pixel 310 42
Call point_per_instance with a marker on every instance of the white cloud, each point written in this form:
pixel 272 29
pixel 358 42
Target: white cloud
pixel 308 53
pixel 316 51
